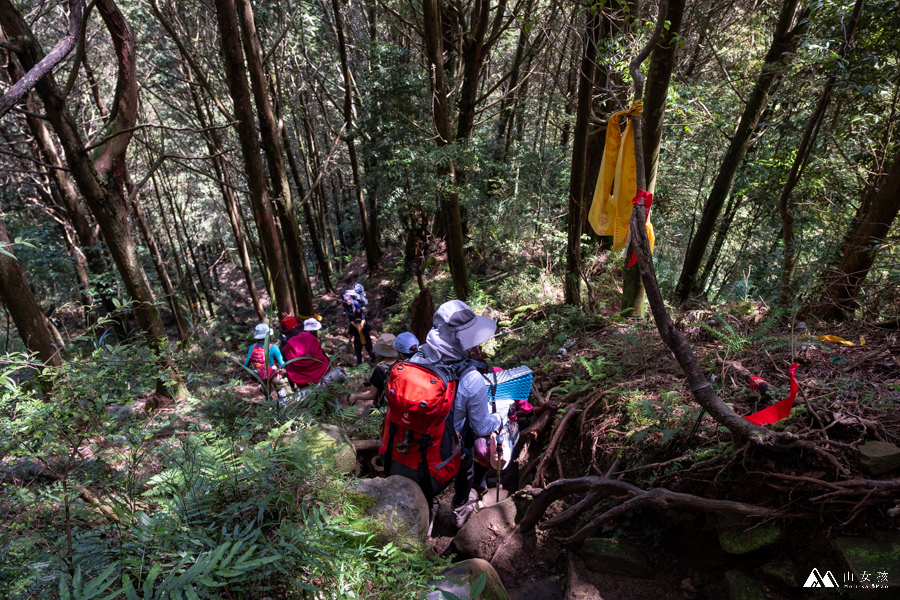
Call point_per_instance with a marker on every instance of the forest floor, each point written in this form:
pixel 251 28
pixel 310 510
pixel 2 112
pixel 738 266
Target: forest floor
pixel 640 421
pixel 641 416
pixel 632 421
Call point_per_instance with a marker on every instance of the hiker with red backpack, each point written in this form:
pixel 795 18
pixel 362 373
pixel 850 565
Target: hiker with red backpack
pixel 432 398
pixel 256 357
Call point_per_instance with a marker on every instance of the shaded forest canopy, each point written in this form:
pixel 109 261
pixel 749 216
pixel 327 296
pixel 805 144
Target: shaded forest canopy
pixel 175 171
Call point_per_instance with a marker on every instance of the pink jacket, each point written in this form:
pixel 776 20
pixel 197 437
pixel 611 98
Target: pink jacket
pixel 305 346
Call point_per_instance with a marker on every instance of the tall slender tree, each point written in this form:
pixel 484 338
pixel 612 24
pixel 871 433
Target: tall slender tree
pixel 577 211
pixel 236 78
pixel 440 103
pixel 26 313
pixel 804 150
pixel 790 27
pixel 370 237
pixel 271 143
pixel 662 64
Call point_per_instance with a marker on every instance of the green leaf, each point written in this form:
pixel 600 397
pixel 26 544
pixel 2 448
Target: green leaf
pixel 479 585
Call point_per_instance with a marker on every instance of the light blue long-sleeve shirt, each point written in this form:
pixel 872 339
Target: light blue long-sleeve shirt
pixel 471 400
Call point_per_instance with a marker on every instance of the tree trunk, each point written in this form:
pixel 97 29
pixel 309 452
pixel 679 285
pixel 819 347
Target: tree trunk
pixel 315 238
pixel 101 180
pixel 662 63
pixel 784 42
pixel 188 242
pixel 787 292
pixel 214 145
pixel 575 225
pixel 870 226
pixel 192 301
pixel 281 189
pixel 26 314
pixel 235 75
pixel 722 229
pixel 373 252
pixel 440 106
pixel 740 428
pixel 156 255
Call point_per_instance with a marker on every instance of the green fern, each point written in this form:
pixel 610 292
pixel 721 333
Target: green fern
pixel 734 341
pixel 75 588
pixel 213 569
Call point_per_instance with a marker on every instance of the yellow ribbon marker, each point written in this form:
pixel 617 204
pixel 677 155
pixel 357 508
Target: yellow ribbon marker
pixel 835 339
pixel 611 211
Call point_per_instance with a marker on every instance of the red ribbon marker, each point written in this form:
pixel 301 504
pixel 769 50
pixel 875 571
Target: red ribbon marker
pixel 647 197
pixel 782 408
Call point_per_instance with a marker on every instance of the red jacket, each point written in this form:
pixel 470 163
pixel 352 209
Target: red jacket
pixel 304 371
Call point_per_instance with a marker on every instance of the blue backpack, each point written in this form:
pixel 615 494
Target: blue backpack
pixel 352 307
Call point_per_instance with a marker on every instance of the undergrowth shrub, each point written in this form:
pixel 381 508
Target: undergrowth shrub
pixel 96 503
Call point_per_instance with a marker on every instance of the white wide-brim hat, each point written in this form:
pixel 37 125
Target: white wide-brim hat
pixel 457 319
pixel 311 325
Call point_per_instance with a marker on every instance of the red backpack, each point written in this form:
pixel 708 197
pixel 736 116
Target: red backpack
pixel 418 428
pixel 258 361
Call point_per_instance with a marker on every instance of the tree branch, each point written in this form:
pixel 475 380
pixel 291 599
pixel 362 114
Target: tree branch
pixel 53 58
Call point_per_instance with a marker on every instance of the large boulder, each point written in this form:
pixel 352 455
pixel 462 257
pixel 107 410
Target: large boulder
pixel 877 458
pixel 613 557
pixel 546 589
pixel 737 537
pixel 458 579
pixel 485 530
pixel 877 558
pixel 783 572
pixel 743 587
pixel 328 443
pixel 398 507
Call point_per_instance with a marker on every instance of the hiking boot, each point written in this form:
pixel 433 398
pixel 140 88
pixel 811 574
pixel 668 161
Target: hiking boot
pixel 462 513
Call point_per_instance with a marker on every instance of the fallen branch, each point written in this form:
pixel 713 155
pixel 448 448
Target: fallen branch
pixel 663 499
pixel 864 358
pixel 554 442
pixel 366 445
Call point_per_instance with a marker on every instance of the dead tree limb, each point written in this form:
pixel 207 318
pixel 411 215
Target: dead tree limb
pixel 554 442
pixel 663 498
pixel 46 64
pixel 740 428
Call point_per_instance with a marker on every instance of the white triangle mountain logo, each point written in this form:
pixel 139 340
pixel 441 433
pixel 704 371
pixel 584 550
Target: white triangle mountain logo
pixel 815 580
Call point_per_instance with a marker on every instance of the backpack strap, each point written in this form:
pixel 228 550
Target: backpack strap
pixel 492 386
pixel 392 431
pixel 422 472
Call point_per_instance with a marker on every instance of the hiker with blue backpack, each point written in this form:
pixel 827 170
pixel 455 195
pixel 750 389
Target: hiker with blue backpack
pixel 355 302
pixel 388 347
pixel 434 397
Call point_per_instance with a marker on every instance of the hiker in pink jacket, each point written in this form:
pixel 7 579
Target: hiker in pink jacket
pixel 312 362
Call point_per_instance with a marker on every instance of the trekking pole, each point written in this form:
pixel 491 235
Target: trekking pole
pixel 499 465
